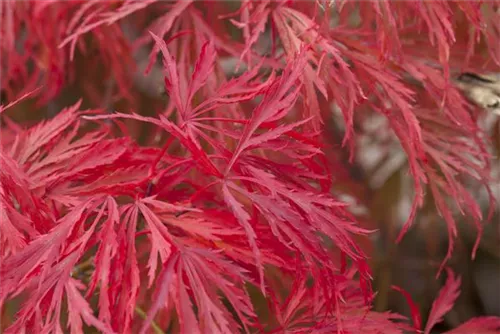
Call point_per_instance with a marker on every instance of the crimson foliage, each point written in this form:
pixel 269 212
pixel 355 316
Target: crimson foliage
pixel 223 218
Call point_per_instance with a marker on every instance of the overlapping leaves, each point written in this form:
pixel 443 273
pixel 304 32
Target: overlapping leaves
pixel 239 188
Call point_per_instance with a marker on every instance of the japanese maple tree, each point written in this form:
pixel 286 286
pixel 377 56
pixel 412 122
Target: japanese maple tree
pixel 199 166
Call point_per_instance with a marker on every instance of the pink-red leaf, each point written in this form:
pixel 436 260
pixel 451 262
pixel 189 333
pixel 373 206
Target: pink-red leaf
pixel 478 325
pixel 444 301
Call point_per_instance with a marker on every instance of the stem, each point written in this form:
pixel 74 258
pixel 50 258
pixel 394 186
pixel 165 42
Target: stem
pixel 143 315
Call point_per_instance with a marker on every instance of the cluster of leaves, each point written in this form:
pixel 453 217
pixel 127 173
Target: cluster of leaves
pixel 224 219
